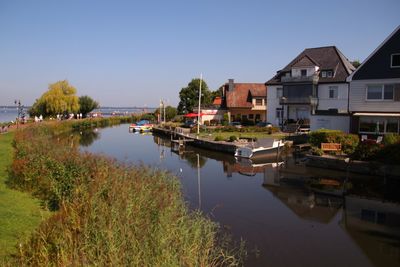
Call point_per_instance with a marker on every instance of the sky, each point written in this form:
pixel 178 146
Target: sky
pixel 132 53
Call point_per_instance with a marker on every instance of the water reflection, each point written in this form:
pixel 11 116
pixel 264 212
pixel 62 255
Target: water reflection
pixel 289 214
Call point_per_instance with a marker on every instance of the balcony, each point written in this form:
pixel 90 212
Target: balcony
pixel 295 100
pixel 259 107
pixel 302 79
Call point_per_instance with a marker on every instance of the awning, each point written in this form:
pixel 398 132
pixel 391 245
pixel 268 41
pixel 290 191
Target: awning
pixel 370 114
pixel 193 115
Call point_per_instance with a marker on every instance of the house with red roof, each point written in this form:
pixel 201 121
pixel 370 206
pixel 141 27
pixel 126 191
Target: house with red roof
pixel 245 102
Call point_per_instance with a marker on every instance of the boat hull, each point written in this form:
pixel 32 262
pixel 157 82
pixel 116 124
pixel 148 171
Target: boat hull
pixel 260 153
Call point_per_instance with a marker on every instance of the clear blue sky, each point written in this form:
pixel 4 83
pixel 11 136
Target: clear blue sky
pixel 131 53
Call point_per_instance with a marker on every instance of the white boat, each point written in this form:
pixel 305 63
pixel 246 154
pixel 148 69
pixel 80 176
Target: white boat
pixel 264 148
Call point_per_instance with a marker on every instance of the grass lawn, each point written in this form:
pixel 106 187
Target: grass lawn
pixel 226 135
pixel 20 214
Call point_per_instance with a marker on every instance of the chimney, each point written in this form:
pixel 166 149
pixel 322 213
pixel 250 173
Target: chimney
pixel 231 87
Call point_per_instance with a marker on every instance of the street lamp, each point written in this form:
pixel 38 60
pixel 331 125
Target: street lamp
pixel 20 109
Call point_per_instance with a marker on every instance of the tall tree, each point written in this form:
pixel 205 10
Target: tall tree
pixel 87 104
pixel 170 112
pixel 59 99
pixel 189 96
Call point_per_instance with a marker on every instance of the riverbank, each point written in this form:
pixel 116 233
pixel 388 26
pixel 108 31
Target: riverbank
pixel 354 166
pixel 20 213
pixel 107 213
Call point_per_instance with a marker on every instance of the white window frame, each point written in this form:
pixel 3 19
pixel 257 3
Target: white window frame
pixel 391 60
pixel 329 74
pixel 301 72
pixel 323 74
pixel 382 93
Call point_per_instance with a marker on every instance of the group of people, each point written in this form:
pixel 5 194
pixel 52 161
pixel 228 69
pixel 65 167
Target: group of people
pixel 69 116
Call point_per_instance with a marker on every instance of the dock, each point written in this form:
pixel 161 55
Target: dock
pixel 182 136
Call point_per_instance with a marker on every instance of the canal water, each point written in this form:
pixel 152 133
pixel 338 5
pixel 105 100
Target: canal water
pixel 288 214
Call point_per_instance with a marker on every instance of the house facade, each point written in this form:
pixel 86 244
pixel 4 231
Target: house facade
pixel 312 89
pixel 374 100
pixel 245 101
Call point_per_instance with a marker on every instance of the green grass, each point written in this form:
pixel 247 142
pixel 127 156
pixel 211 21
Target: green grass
pixel 108 213
pixel 20 214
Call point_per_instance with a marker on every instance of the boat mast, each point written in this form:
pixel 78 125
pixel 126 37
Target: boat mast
pixel 198 111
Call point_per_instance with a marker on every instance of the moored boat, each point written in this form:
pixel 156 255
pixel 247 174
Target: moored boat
pixel 141 126
pixel 265 148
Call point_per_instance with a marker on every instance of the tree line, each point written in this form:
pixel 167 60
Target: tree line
pixel 61 99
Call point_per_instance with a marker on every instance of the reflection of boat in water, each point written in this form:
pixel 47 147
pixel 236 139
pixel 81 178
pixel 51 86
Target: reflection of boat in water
pixel 262 149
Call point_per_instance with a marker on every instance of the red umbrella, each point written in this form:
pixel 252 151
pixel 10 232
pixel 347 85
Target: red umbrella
pixel 193 115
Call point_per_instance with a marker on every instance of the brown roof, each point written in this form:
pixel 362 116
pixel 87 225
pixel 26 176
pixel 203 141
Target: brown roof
pixel 243 93
pixel 326 58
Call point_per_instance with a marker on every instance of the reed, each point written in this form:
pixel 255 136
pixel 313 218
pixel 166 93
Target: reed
pixel 108 213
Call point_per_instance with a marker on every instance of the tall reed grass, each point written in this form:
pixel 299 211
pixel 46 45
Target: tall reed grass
pixel 107 213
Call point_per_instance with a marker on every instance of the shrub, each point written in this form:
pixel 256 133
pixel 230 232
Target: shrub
pixel 389 154
pixel 219 138
pixel 349 142
pixel 232 138
pixel 366 150
pixel 391 139
pixel 316 151
pixel 107 213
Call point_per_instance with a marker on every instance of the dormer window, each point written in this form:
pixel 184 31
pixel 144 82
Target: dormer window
pixel 395 60
pixel 326 74
pixel 303 73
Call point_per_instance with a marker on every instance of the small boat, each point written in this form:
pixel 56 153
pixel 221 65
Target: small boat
pixel 264 148
pixel 141 126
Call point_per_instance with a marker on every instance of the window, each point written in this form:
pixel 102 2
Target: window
pixel 392 125
pixel 329 74
pixel 279 113
pixel 258 117
pixel 380 92
pixel 259 102
pixel 333 92
pixel 323 74
pixel 379 125
pixel 303 73
pixel 279 93
pixel 372 125
pixel 395 61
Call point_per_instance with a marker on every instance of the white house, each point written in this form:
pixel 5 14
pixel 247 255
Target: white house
pixel 375 90
pixel 312 90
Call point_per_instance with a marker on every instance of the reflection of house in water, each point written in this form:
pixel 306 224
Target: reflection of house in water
pixel 375 226
pixel 293 192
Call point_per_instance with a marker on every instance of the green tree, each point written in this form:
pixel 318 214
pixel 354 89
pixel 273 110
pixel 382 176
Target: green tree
pixel 170 112
pixel 59 99
pixel 189 96
pixel 87 104
pixel 356 63
pixel 216 93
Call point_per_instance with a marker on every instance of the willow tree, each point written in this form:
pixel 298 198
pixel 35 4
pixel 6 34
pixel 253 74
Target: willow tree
pixel 59 99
